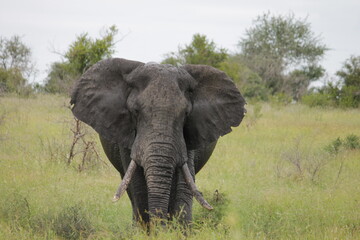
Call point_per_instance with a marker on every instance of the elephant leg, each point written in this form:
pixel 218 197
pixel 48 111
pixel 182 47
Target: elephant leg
pixel 138 195
pixel 181 196
pixel 137 190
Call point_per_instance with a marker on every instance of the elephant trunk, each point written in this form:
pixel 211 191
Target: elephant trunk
pixel 159 167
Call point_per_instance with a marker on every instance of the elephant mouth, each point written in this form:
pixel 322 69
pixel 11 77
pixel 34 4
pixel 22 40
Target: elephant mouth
pixel 187 175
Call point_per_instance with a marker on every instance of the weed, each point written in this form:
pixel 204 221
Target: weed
pixel 253 116
pixel 2 121
pixel 214 218
pixel 87 148
pixel 16 210
pixel 301 163
pixel 334 147
pixel 73 223
pixel 259 205
pixel 82 154
pixel 54 149
pixel 352 142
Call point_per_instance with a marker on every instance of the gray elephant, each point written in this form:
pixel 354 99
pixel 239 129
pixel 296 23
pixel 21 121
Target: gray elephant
pixel 158 125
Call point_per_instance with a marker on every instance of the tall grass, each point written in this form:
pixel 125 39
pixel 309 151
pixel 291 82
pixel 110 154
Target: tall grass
pixel 273 177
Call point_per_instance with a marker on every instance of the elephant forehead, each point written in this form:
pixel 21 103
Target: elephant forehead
pixel 162 91
pixel 153 71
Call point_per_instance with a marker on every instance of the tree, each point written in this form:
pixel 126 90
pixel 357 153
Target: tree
pixel 81 55
pixel 16 65
pixel 203 51
pixel 350 78
pixel 350 72
pixel 284 52
pixel 199 51
pixel 344 93
pixel 247 80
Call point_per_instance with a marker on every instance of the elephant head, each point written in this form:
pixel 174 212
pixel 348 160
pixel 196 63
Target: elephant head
pixel 159 112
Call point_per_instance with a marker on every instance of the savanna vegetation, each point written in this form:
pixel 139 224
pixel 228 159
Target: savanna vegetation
pixel 290 171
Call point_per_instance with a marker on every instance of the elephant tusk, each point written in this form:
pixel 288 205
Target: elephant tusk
pixel 197 194
pixel 126 180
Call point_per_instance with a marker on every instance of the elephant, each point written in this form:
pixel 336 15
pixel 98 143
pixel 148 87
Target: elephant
pixel 158 125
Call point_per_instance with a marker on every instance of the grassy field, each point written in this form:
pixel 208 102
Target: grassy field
pixel 288 172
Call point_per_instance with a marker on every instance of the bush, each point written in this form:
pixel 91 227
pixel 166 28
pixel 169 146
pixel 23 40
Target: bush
pixel 345 93
pixel 16 210
pixel 280 99
pixel 318 100
pixel 250 84
pixel 351 142
pixel 16 66
pixel 213 218
pixel 254 88
pixel 349 97
pixel 299 163
pixel 334 147
pixel 73 223
pixel 81 55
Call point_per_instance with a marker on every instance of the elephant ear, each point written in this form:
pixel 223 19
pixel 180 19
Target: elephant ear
pixel 217 106
pixel 99 99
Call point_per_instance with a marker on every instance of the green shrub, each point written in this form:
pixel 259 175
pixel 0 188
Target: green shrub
pixel 16 210
pixel 280 99
pixel 213 218
pixel 334 146
pixel 318 100
pixel 73 223
pixel 349 97
pixel 352 142
pixel 254 88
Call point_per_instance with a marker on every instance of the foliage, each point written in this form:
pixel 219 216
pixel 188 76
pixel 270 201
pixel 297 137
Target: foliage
pixel 280 99
pixel 82 54
pixel 284 52
pixel 61 78
pixel 213 218
pixel 16 65
pixel 248 81
pixel 350 72
pixel 318 99
pixel 85 52
pixel 199 51
pixel 203 51
pixel 350 78
pixel 73 223
pixel 345 93
pixel 11 80
pixel 334 146
pixel 351 142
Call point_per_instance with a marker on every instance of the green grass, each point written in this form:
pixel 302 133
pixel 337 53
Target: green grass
pixel 274 176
